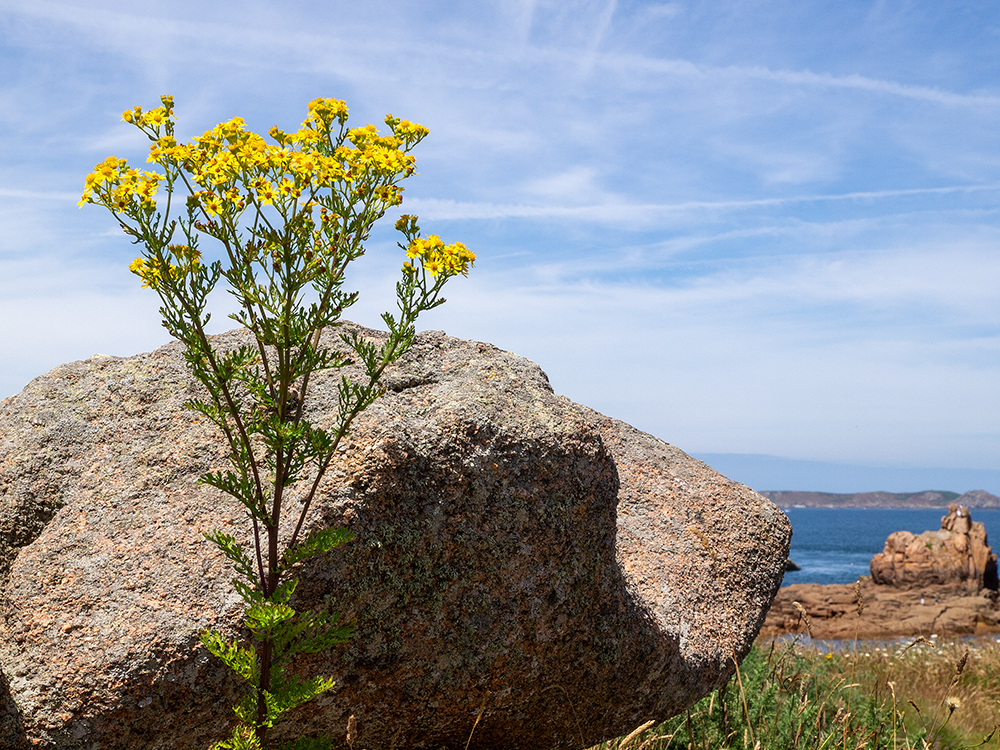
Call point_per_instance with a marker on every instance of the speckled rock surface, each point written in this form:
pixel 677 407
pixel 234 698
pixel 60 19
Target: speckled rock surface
pixel 519 557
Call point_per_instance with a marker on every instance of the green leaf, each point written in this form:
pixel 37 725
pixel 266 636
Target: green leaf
pixel 322 632
pixel 250 593
pixel 246 708
pixel 241 660
pixel 308 743
pixel 318 542
pixel 263 618
pixel 243 738
pixel 241 562
pixel 284 592
pixel 294 692
pixel 310 632
pixel 236 485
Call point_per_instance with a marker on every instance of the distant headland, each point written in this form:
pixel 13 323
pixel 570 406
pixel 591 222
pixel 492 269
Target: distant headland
pixel 974 499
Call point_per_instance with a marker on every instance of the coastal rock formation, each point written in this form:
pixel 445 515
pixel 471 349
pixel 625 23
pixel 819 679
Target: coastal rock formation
pixel 520 559
pixel 957 556
pixel 831 611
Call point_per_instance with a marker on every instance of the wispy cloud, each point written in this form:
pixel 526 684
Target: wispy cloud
pixel 679 68
pixel 645 213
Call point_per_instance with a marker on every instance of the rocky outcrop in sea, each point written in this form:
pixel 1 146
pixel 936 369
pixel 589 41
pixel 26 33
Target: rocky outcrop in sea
pixel 957 556
pixel 940 582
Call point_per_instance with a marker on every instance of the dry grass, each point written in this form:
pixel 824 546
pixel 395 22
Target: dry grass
pixel 929 673
pixel 937 693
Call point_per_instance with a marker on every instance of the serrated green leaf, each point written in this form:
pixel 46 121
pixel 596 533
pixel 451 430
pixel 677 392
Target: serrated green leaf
pixel 241 660
pixel 264 618
pixel 250 593
pixel 246 709
pixel 317 542
pixel 294 692
pixel 241 562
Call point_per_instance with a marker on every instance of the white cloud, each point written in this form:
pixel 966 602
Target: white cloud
pixel 679 68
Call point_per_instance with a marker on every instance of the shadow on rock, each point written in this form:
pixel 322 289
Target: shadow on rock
pixel 12 734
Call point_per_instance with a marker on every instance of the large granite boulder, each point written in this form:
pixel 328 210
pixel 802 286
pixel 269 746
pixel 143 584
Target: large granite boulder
pixel 520 559
pixel 957 555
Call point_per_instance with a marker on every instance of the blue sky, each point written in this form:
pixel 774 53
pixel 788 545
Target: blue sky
pixel 763 228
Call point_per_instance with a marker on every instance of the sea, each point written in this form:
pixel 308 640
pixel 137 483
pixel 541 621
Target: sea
pixel 835 545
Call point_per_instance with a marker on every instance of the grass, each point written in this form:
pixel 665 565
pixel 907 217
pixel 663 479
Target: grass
pixel 917 695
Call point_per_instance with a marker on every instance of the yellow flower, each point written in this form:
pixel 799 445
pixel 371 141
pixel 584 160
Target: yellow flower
pixel 433 267
pixel 323 111
pixel 148 184
pixel 107 170
pixel 287 187
pixel 266 193
pixel 88 189
pixel 409 132
pixel 155 117
pixel 146 271
pixel 363 135
pixel 233 196
pixel 210 202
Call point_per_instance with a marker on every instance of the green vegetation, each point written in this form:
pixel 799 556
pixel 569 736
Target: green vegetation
pixel 908 696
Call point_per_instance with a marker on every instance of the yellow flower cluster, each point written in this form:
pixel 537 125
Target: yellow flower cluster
pixel 437 257
pixel 117 185
pixel 153 119
pixel 235 167
pixel 151 272
pixel 349 174
pixel 408 132
pixel 323 111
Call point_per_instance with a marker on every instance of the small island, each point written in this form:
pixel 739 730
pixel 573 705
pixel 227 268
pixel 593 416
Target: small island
pixel 974 499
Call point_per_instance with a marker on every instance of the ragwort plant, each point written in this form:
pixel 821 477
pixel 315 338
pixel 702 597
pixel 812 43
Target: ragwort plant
pixel 290 217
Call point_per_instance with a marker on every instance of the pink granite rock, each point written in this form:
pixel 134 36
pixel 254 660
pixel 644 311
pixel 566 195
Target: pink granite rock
pixel 957 556
pixel 889 613
pixel 519 558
